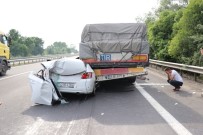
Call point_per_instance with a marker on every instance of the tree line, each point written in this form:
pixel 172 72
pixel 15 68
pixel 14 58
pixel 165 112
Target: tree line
pixel 32 46
pixel 175 31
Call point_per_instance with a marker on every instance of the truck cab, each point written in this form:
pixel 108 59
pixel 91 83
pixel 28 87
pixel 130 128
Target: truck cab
pixel 4 46
pixel 4 53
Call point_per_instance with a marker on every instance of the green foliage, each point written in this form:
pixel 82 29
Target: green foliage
pixel 27 46
pixel 176 33
pixel 57 48
pixel 60 48
pixel 188 33
pixel 159 34
pixel 170 5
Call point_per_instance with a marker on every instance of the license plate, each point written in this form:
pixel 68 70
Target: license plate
pixel 113 76
pixel 66 84
pixel 105 57
pixel 109 77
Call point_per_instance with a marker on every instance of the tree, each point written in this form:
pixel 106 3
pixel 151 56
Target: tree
pixel 58 48
pixel 183 45
pixel 159 34
pixel 14 34
pixel 25 46
pixel 173 5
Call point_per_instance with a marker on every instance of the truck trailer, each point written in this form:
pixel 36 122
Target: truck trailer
pixel 115 50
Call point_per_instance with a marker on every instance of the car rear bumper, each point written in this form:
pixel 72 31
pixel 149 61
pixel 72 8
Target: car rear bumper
pixel 84 86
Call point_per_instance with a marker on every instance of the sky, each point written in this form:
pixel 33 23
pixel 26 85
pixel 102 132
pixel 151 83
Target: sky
pixel 64 20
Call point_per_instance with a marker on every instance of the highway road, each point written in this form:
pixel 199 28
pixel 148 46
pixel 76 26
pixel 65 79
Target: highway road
pixel 148 107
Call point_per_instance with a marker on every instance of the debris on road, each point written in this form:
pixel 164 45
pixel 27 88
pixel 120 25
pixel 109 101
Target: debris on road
pixel 142 77
pixel 0 103
pixel 176 104
pixel 64 102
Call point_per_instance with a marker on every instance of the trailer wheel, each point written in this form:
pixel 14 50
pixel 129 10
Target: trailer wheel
pixel 4 68
pixel 132 79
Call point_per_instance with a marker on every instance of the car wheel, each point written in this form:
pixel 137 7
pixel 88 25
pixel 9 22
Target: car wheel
pixel 4 70
pixel 94 91
pixel 96 85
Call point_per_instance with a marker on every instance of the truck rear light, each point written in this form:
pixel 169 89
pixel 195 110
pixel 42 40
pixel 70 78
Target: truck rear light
pixel 87 75
pixel 141 57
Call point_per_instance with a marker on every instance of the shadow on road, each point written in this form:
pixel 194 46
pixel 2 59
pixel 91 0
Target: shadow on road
pixel 116 103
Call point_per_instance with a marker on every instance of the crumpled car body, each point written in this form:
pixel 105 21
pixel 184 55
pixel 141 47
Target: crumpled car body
pixel 63 75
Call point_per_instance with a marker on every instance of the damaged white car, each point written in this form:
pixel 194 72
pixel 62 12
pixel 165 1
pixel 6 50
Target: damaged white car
pixel 64 75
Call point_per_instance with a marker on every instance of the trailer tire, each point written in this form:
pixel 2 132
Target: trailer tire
pixel 131 79
pixel 4 69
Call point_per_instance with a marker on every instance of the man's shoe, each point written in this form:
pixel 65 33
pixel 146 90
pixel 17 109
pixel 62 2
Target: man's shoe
pixel 177 89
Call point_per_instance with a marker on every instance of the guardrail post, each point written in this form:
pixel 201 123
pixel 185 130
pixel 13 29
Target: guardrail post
pixel 195 77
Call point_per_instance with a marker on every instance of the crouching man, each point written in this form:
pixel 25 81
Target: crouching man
pixel 174 78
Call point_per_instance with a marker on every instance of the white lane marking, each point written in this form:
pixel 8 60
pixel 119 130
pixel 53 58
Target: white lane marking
pixel 58 127
pixel 70 126
pixel 175 125
pixel 35 127
pixel 14 75
pixel 154 84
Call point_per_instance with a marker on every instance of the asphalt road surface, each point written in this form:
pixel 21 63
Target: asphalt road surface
pixel 147 107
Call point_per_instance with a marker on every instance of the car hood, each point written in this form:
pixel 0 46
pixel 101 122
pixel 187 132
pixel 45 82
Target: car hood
pixel 65 66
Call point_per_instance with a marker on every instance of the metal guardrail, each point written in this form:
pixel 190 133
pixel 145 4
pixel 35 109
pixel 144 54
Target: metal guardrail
pixel 182 67
pixel 22 61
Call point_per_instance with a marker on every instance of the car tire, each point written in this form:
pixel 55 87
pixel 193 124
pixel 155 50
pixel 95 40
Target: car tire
pixel 96 85
pixel 94 91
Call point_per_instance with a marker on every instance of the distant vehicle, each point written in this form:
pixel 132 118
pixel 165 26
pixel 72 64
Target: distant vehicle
pixel 4 53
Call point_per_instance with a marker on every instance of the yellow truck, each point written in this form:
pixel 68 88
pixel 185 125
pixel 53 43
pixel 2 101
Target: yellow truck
pixel 4 53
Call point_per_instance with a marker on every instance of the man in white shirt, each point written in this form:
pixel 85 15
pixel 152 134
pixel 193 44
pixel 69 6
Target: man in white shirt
pixel 174 78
